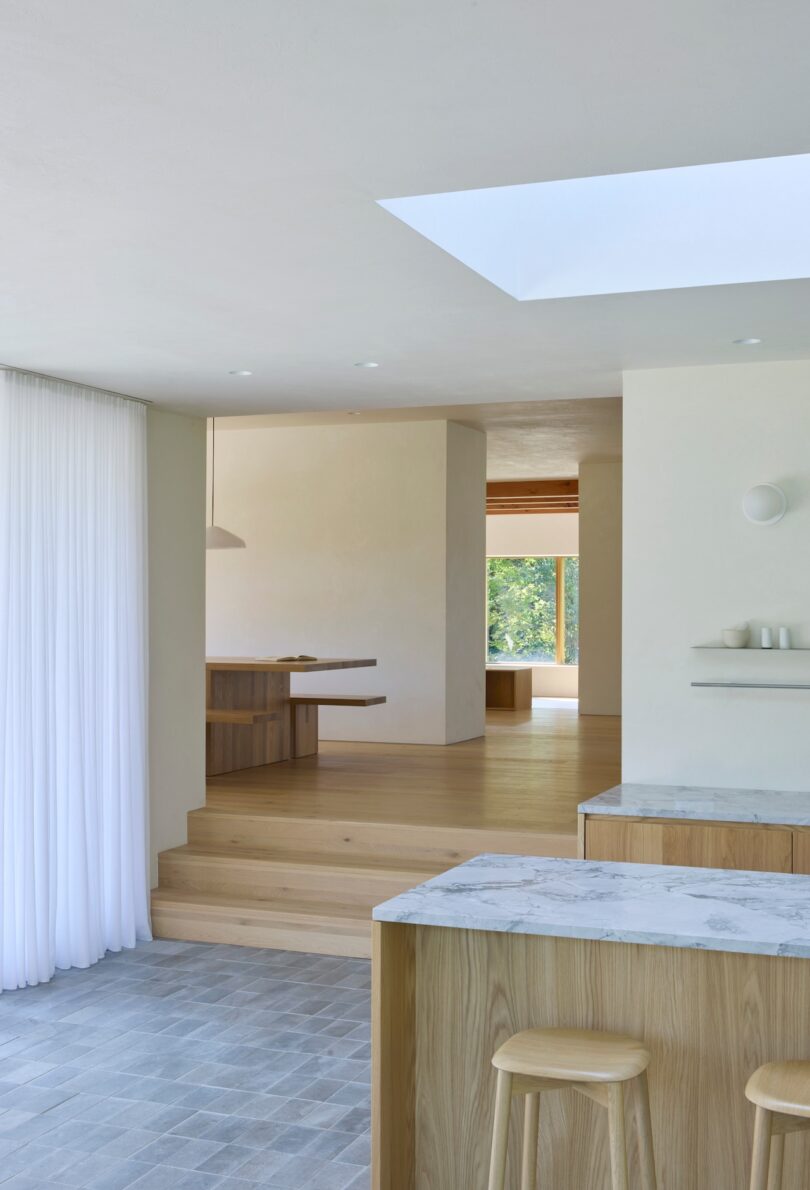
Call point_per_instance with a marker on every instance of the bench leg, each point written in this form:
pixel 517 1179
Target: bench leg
pixel 303 731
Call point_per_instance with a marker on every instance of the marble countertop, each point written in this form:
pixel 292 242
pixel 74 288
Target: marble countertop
pixel 696 908
pixel 772 806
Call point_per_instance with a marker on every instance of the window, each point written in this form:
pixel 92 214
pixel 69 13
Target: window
pixel 533 610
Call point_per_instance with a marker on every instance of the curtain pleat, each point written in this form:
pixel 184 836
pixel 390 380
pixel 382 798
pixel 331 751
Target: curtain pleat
pixel 73 742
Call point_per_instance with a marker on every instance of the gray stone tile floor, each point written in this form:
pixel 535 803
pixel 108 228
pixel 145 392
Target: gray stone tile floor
pixel 181 1066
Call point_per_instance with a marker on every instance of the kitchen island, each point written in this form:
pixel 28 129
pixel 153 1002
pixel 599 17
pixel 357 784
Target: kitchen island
pixel 708 967
pixel 763 829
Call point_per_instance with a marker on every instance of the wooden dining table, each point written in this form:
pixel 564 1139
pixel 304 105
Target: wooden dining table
pixel 252 718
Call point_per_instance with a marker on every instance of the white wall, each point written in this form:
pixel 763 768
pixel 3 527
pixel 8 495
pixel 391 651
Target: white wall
pixel 348 554
pixel 176 476
pixel 465 596
pixel 600 588
pixel 695 439
pixel 541 535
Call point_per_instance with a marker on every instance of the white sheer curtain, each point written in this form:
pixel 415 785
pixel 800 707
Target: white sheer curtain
pixel 73 751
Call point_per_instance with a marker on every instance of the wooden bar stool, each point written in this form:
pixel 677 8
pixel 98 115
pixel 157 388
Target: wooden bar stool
pixel 781 1092
pixel 595 1064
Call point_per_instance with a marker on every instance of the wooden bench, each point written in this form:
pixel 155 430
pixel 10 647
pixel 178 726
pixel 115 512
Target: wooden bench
pixel 509 687
pixel 304 716
pixel 248 718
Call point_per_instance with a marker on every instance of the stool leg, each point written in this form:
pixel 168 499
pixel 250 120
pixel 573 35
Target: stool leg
pixel 618 1146
pixel 531 1127
pixel 777 1157
pixel 760 1158
pixel 645 1138
pixel 500 1131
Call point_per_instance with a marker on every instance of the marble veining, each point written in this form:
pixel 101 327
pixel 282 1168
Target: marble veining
pixel 697 908
pixel 772 806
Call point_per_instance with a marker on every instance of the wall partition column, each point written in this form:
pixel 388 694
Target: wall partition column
pixel 73 746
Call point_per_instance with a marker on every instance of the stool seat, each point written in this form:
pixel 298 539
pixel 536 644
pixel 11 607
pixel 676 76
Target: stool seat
pixel 586 1062
pixel 572 1055
pixel 781 1093
pixel 781 1087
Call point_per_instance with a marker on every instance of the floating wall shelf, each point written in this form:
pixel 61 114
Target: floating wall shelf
pixel 726 649
pixel 756 685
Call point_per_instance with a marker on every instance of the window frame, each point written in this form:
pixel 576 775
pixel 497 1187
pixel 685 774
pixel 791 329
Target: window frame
pixel 559 563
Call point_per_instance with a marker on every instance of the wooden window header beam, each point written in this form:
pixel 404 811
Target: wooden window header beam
pixel 511 497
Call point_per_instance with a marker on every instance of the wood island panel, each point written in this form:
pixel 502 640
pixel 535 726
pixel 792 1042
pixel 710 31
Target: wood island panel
pixel 755 848
pixel 393 1049
pixel 709 1019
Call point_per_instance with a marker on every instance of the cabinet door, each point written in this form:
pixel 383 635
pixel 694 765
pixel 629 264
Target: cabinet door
pixel 691 844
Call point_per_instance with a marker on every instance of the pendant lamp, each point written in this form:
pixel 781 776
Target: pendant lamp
pixel 217 538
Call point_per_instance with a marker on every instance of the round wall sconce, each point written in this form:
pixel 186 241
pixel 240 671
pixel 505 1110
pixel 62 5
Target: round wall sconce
pixel 764 504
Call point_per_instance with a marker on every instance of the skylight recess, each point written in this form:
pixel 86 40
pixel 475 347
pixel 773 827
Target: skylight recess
pixel 725 224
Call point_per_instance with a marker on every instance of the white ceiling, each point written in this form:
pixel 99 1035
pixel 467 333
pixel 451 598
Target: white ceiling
pixel 531 440
pixel 189 187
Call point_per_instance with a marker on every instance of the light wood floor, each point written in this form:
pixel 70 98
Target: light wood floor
pixel 530 771
pixel 296 854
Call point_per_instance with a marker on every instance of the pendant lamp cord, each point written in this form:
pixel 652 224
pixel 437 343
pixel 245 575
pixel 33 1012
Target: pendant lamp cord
pixel 213 462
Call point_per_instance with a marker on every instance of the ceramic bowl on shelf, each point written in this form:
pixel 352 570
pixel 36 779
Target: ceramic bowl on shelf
pixel 735 638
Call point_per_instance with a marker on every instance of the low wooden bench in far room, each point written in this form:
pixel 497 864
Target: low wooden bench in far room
pixel 246 717
pixel 304 716
pixel 509 687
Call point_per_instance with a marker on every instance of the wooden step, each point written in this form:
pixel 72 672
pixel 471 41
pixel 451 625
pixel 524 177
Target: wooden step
pixel 284 925
pixel 401 845
pixel 255 875
pixel 247 718
pixel 337 700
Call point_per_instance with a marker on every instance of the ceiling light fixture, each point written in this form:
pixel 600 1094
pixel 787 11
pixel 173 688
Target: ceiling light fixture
pixel 746 342
pixel 764 504
pixel 366 363
pixel 240 372
pixel 217 538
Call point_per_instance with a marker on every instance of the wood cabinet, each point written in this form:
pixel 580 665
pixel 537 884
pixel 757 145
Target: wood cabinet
pixel 752 847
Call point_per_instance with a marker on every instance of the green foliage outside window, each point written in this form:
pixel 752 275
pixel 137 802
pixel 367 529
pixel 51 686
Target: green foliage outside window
pixel 571 644
pixel 522 609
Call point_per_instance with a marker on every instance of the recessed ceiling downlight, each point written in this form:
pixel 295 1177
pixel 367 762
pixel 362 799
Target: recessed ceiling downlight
pixel 746 342
pixel 240 372
pixel 366 363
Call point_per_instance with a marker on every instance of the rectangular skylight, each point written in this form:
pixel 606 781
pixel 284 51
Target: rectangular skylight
pixel 725 224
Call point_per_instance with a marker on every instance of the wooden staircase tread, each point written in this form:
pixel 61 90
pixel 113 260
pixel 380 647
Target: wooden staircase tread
pixel 248 809
pixel 419 869
pixel 284 909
